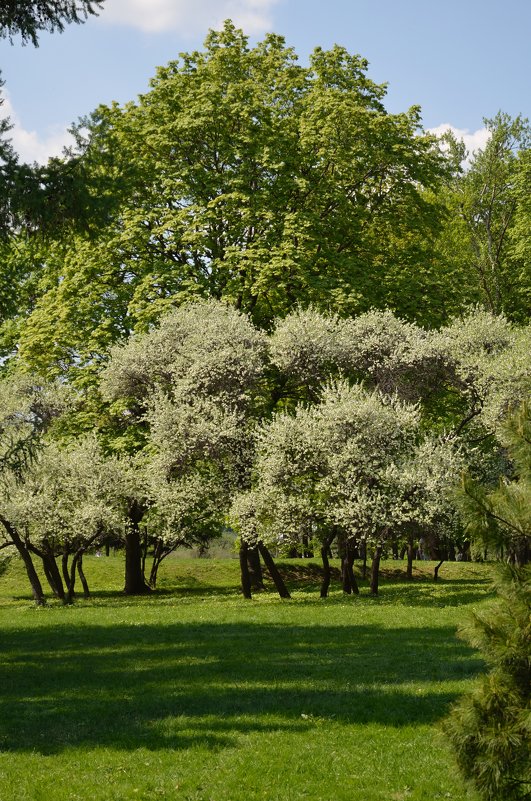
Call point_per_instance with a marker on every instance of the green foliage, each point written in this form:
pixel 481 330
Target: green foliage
pixel 485 240
pixel 28 19
pixel 502 515
pixel 491 729
pixel 244 176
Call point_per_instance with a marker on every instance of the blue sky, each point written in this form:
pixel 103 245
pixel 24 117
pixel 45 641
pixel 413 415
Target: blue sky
pixel 460 60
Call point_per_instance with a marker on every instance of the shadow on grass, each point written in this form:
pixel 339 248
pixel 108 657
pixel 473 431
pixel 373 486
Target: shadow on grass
pixel 178 686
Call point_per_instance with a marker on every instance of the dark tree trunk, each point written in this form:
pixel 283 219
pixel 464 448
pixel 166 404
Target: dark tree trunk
pixel 375 569
pixel 306 550
pixel 65 568
pixel 347 572
pixel 144 551
pixel 36 586
pixel 350 585
pixel 325 551
pixel 82 577
pixel 363 548
pixel 255 569
pixel 49 566
pixel 436 569
pixel 244 570
pixel 135 583
pixel 159 554
pixel 410 555
pixel 69 597
pixel 273 571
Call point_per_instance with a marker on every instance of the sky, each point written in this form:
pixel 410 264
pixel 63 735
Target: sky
pixel 460 60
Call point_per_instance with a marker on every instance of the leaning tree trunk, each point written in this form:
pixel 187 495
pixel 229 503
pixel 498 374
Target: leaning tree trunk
pixel 273 571
pixel 82 577
pixel 375 569
pixel 255 569
pixel 135 583
pixel 66 570
pixel 436 569
pixel 244 571
pixel 36 586
pixel 49 566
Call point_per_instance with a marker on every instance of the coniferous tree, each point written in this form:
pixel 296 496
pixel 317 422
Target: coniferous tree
pixel 491 729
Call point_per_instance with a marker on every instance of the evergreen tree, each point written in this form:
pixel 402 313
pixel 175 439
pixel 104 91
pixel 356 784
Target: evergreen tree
pixel 491 729
pixel 30 19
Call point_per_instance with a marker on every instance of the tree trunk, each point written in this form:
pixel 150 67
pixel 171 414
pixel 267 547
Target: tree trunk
pixel 364 557
pixel 244 571
pixel 135 583
pixel 350 584
pixel 82 577
pixel 36 586
pixel 347 573
pixel 375 569
pixel 69 597
pixel 273 571
pixel 306 550
pixel 436 570
pixel 51 571
pixel 255 569
pixel 410 555
pixel 159 554
pixel 325 554
pixel 65 568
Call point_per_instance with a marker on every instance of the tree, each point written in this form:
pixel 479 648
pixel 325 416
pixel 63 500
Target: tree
pixel 244 176
pixel 490 729
pixel 28 19
pixel 353 467
pixel 70 499
pixel 189 389
pixel 28 409
pixel 489 217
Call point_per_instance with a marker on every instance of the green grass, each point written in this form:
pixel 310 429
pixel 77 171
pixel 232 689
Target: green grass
pixel 193 693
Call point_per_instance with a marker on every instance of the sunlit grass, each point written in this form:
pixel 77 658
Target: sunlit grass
pixel 194 693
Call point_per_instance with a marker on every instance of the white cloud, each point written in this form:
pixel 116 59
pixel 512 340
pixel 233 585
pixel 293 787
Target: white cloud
pixel 29 145
pixel 474 140
pixel 189 16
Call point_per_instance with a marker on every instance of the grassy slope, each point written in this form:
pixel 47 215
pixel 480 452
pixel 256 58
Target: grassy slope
pixel 194 693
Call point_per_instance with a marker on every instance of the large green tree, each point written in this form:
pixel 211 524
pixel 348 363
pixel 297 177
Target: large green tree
pixel 245 176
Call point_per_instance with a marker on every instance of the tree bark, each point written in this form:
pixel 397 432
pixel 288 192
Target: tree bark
pixel 364 557
pixel 49 566
pixel 410 554
pixel 375 569
pixel 65 568
pixel 244 571
pixel 82 577
pixel 273 571
pixel 325 550
pixel 36 586
pixel 436 570
pixel 135 583
pixel 255 569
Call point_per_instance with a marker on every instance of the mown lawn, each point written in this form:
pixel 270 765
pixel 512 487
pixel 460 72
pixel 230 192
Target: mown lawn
pixel 195 694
